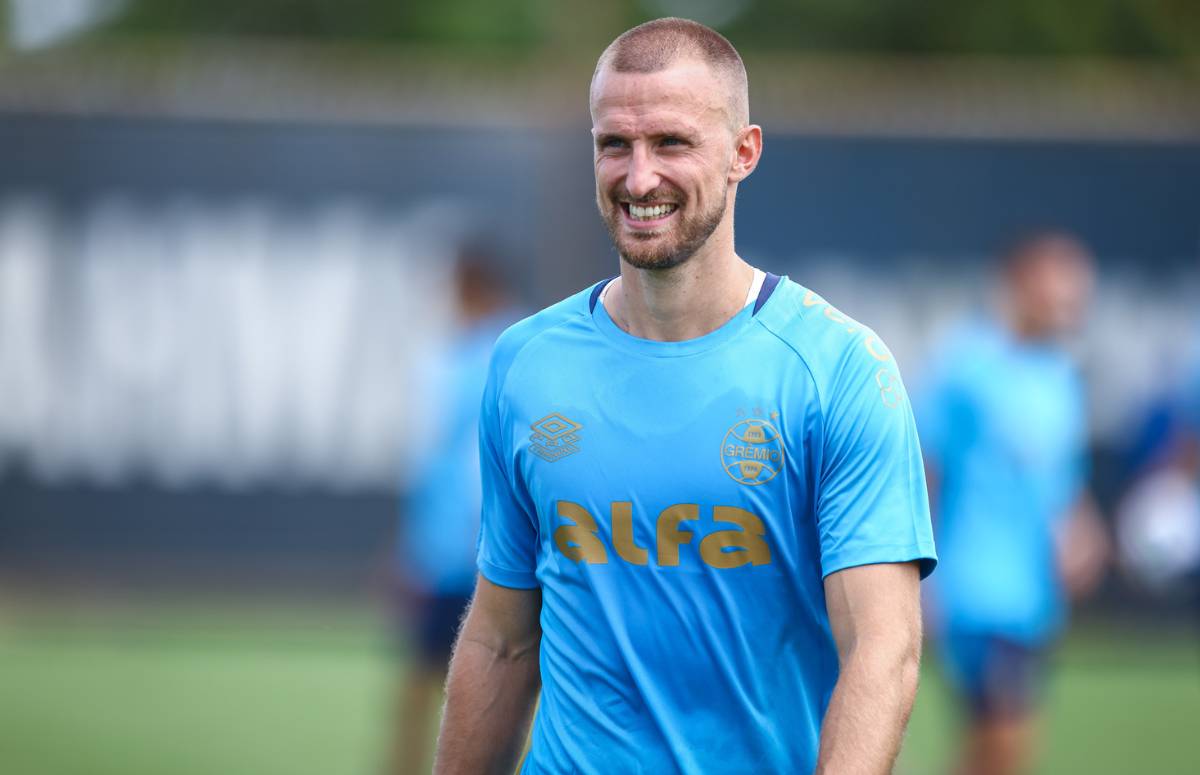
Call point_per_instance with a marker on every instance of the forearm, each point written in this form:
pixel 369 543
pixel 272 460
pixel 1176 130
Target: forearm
pixel 489 701
pixel 869 710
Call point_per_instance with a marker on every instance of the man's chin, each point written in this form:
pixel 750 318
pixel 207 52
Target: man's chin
pixel 652 259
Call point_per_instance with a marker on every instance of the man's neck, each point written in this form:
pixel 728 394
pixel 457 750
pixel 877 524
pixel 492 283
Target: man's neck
pixel 684 302
pixel 1024 327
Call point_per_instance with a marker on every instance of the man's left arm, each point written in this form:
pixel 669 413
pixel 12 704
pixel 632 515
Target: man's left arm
pixel 1083 548
pixel 875 614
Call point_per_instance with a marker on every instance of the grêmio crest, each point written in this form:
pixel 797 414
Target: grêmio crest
pixel 554 437
pixel 752 451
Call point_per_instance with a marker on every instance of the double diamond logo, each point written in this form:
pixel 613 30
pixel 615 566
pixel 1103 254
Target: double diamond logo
pixel 554 437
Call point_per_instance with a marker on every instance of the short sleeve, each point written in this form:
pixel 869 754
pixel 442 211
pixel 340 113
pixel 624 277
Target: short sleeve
pixel 872 505
pixel 508 535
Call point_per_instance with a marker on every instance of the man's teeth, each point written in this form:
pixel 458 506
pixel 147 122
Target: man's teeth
pixel 651 212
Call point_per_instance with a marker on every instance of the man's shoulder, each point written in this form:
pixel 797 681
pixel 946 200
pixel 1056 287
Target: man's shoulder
pixel 517 338
pixel 978 352
pixel 971 339
pixel 826 339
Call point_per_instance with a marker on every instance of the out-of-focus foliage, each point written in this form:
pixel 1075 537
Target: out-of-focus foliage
pixel 1155 28
pixel 510 23
pixel 1147 28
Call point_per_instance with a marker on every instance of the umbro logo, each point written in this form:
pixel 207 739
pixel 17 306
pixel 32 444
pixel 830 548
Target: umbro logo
pixel 554 437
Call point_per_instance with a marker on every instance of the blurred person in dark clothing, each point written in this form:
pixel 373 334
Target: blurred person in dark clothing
pixel 440 513
pixel 1003 429
pixel 1158 519
pixel 1189 403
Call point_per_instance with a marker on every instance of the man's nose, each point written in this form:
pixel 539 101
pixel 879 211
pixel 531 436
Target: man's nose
pixel 642 177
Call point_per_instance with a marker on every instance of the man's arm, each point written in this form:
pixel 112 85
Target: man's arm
pixel 875 614
pixel 493 683
pixel 1083 548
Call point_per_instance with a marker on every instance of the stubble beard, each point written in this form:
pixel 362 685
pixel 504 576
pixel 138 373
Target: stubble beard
pixel 651 251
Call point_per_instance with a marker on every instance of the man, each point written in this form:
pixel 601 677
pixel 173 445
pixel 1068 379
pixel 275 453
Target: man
pixel 435 567
pixel 1158 516
pixel 1003 428
pixel 702 486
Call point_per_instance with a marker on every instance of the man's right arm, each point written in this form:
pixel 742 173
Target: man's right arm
pixel 493 683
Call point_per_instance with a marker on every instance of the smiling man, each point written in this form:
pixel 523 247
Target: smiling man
pixel 704 517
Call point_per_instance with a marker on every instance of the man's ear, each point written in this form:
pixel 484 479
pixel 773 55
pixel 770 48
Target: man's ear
pixel 747 150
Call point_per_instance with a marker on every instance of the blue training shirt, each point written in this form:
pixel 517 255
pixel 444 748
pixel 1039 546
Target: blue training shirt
pixel 1003 422
pixel 443 503
pixel 679 504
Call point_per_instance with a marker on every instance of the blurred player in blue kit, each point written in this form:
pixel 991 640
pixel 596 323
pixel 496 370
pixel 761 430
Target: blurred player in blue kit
pixel 705 516
pixel 1004 432
pixel 440 513
pixel 1158 518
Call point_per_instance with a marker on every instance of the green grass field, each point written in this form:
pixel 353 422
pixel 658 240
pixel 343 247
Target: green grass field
pixel 242 691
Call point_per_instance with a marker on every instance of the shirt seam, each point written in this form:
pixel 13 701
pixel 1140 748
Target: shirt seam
pixel 520 350
pixel 502 413
pixel 807 367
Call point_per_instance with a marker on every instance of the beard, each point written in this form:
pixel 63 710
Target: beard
pixel 663 249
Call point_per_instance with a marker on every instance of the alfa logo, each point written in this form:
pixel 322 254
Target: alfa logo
pixel 554 437
pixel 579 536
pixel 752 452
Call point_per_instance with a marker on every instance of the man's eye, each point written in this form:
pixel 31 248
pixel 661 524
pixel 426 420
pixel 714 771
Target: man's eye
pixel 612 142
pixel 672 141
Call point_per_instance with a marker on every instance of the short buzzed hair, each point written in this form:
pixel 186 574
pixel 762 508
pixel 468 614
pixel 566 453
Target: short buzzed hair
pixel 658 44
pixel 1041 245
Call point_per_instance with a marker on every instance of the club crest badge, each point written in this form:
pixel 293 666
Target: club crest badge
pixel 554 437
pixel 752 452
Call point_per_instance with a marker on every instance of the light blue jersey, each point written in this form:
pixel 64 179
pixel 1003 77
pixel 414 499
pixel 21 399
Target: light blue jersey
pixel 679 504
pixel 1003 423
pixel 444 502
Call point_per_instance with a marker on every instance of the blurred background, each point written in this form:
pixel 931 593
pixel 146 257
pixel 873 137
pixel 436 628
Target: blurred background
pixel 228 233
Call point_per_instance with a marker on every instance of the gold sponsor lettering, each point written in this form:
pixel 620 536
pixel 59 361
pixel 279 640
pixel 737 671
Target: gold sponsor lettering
pixel 879 355
pixel 747 540
pixel 622 524
pixel 579 541
pixel 887 388
pixel 837 317
pixel 721 549
pixel 891 396
pixel 669 535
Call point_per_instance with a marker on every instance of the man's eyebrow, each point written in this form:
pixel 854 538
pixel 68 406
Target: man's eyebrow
pixel 683 133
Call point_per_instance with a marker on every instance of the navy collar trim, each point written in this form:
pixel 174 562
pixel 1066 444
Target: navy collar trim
pixel 770 283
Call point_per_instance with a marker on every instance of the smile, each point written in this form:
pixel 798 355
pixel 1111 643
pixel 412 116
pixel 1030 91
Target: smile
pixel 648 213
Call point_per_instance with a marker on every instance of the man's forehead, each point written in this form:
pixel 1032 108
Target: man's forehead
pixel 688 86
pixel 651 120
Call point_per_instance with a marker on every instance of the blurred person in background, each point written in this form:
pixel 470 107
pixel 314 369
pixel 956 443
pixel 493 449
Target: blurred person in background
pixel 1189 465
pixel 1004 434
pixel 1158 518
pixel 439 518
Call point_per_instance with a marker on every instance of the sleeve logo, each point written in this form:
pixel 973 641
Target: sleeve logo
pixel 554 437
pixel 752 452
